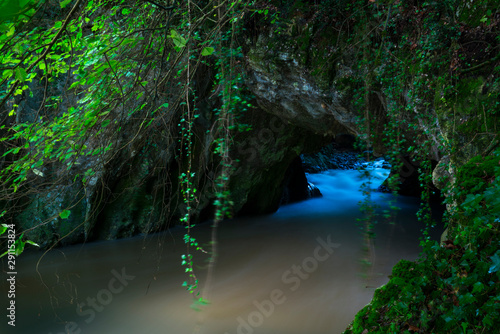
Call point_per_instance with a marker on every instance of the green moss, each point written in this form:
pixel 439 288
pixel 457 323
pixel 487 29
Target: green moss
pixel 405 270
pixel 476 175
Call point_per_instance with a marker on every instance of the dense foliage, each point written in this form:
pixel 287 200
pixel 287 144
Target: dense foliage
pixel 91 90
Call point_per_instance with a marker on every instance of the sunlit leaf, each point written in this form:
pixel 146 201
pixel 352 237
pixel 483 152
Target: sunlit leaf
pixel 64 3
pixel 11 31
pixel 3 228
pixel 32 243
pixel 38 172
pixel 207 51
pixel 178 40
pixel 21 74
pixel 65 214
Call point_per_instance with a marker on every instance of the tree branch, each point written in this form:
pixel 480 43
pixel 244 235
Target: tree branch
pixel 471 69
pixel 160 6
pixel 44 54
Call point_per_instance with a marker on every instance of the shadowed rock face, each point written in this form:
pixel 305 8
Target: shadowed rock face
pixel 296 185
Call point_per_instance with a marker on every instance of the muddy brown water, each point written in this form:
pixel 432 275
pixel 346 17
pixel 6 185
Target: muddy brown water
pixel 294 272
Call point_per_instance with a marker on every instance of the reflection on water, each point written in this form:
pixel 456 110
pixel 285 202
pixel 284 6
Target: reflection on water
pixel 293 272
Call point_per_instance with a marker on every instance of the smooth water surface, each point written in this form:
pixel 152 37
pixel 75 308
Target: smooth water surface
pixel 295 272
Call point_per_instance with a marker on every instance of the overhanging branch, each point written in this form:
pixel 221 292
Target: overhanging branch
pixel 160 6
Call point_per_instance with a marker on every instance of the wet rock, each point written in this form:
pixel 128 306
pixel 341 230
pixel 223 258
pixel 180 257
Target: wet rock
pixel 331 156
pixel 441 175
pixel 296 185
pixel 313 191
pixel 41 221
pixel 297 188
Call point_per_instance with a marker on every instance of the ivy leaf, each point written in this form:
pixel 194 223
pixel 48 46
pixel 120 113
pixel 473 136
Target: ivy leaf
pixel 496 263
pixel 65 3
pixel 11 31
pixel 207 51
pixel 478 287
pixel 21 74
pixel 3 228
pixel 492 197
pixel 7 73
pixel 17 248
pixel 32 243
pixel 65 214
pixel 178 40
pixel 38 172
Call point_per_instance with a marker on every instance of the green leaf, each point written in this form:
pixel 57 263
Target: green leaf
pixel 178 40
pixel 207 51
pixel 125 11
pixel 32 243
pixel 17 248
pixel 7 73
pixel 3 228
pixel 74 84
pixel 65 214
pixel 496 263
pixel 11 31
pixel 64 3
pixel 478 287
pixel 21 74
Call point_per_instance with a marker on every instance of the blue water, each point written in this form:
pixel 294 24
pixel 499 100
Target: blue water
pixel 342 192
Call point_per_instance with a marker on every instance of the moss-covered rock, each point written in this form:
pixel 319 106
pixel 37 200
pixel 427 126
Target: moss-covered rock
pixel 41 222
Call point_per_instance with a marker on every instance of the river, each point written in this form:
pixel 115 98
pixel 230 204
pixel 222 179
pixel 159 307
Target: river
pixel 294 272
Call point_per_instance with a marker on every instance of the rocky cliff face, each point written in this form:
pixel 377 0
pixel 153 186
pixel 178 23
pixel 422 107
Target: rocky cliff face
pixel 284 87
